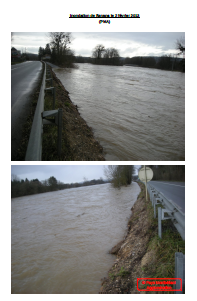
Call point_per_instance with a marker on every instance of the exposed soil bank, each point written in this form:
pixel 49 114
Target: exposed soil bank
pixel 142 254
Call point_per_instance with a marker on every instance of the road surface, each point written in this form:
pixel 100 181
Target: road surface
pixel 24 78
pixel 174 191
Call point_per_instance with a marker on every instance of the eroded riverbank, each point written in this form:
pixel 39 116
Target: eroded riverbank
pixel 78 141
pixel 142 254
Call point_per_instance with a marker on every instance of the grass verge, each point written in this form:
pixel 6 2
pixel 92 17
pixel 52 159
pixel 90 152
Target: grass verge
pixel 142 253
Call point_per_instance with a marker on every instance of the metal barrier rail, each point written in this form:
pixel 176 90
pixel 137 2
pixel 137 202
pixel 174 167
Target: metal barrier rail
pixel 34 148
pixel 178 218
pixel 170 211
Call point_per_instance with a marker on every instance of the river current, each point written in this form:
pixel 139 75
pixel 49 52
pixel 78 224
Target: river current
pixel 61 240
pixel 136 113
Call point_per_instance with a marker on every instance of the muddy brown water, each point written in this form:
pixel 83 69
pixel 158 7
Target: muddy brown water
pixel 136 113
pixel 60 240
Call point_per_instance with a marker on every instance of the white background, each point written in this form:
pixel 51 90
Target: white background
pixel 155 16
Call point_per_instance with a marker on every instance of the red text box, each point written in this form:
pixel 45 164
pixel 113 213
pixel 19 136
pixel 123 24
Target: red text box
pixel 159 284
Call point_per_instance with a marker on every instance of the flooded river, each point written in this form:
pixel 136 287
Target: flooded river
pixel 136 113
pixel 60 240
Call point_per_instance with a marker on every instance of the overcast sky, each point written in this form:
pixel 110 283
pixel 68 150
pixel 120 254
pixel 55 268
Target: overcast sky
pixel 63 173
pixel 128 43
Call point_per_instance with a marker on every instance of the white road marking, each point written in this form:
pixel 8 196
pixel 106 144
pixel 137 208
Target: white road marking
pixel 169 184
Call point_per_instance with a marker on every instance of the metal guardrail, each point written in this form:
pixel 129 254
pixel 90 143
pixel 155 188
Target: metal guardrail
pixel 170 211
pixel 180 271
pixel 34 148
pixel 178 219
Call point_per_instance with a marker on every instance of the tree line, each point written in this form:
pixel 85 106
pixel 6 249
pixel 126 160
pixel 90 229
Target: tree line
pixel 28 187
pixel 168 172
pixel 119 175
pixel 105 56
pixel 165 62
pixel 60 53
pixel 42 51
pixel 110 56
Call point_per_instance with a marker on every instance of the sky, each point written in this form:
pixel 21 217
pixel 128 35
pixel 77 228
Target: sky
pixel 63 173
pixel 129 44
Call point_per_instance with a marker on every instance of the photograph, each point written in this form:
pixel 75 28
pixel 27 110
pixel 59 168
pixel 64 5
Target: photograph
pixel 89 229
pixel 96 96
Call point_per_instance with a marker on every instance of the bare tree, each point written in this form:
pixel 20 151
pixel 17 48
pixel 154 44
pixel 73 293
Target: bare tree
pixel 60 40
pixel 60 50
pixel 180 45
pixel 119 174
pixel 98 51
pixel 15 178
pixel 52 182
pixel 111 53
pixel 85 181
pixel 109 171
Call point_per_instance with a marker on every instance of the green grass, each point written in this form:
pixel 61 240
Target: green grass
pixel 164 248
pixel 122 272
pixel 112 276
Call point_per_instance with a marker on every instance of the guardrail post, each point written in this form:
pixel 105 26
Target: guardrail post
pixel 51 80
pixel 54 98
pixel 152 196
pixel 156 203
pixel 58 121
pixel 52 89
pixel 180 271
pixel 159 222
pixel 59 132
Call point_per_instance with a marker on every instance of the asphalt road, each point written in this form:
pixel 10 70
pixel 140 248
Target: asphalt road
pixel 24 78
pixel 174 191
